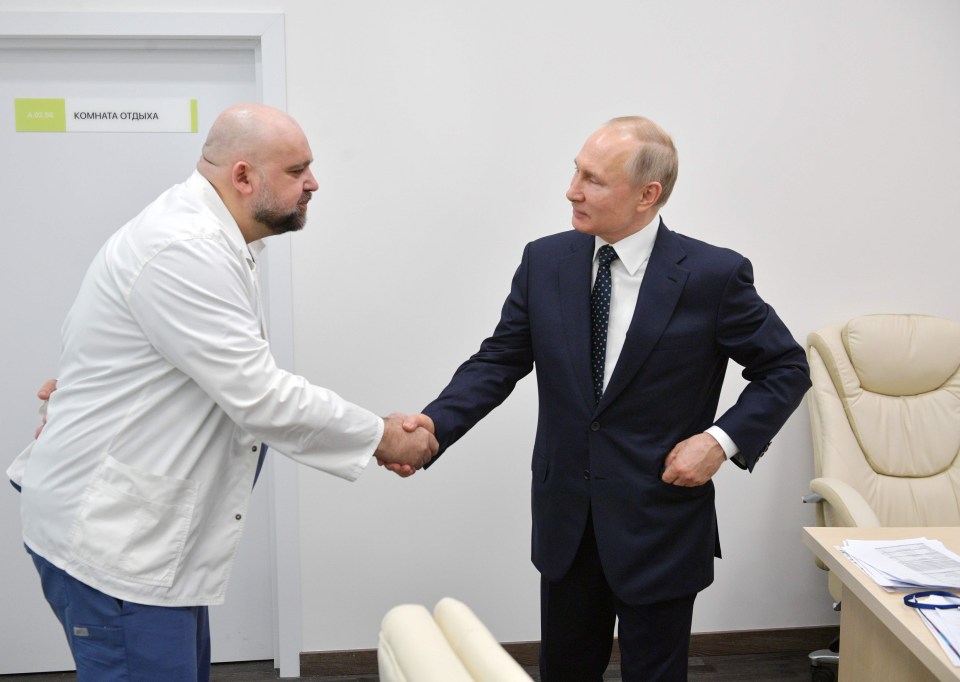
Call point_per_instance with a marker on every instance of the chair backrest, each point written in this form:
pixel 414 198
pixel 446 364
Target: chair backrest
pixel 885 414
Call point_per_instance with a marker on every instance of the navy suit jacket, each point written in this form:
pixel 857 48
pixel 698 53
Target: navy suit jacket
pixel 697 308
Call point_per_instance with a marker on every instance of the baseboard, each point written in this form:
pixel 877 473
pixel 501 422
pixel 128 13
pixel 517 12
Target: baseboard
pixel 780 641
pixel 364 661
pixel 337 663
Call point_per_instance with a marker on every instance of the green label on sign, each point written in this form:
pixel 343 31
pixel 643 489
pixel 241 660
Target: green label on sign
pixel 40 115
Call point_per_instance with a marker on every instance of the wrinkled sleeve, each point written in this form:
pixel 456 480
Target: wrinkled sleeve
pixel 774 364
pixel 194 304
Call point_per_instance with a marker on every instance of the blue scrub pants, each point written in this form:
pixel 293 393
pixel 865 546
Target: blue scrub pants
pixel 121 641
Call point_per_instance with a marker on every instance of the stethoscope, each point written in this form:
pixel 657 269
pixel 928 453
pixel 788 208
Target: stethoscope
pixel 913 600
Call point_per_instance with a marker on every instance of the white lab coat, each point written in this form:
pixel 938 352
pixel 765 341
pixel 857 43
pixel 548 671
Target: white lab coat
pixel 139 484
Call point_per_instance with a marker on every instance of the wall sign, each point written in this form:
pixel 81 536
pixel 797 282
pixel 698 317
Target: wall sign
pixel 104 115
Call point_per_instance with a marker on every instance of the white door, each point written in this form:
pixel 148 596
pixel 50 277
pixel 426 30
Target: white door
pixel 62 195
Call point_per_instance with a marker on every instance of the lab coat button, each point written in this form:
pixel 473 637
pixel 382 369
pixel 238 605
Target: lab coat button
pixel 238 517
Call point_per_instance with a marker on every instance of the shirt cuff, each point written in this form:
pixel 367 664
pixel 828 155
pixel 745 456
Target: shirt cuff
pixel 730 448
pixel 378 436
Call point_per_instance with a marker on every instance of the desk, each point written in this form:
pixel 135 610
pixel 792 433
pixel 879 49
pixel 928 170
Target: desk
pixel 881 638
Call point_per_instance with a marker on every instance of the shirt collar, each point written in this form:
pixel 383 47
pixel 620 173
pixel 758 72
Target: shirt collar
pixel 255 248
pixel 213 201
pixel 635 250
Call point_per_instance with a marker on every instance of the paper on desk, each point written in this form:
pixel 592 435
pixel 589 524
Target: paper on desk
pixel 915 564
pixel 945 626
pixel 905 564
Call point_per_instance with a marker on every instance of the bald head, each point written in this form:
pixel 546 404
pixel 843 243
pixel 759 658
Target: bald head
pixel 258 160
pixel 246 132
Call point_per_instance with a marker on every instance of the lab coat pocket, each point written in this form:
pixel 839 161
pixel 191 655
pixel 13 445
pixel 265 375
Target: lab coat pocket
pixel 133 525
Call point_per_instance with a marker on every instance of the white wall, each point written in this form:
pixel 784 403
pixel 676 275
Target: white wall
pixel 818 137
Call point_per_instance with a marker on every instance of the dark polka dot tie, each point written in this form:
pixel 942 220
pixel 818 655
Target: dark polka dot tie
pixel 599 316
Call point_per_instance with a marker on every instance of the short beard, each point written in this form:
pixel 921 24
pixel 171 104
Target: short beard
pixel 267 213
pixel 278 222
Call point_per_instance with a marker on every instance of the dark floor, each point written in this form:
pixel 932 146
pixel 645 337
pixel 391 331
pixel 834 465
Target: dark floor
pixel 779 667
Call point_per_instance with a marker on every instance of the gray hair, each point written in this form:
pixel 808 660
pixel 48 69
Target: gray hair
pixel 655 159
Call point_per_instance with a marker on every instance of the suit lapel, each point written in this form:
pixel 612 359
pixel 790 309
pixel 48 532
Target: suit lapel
pixel 573 279
pixel 662 285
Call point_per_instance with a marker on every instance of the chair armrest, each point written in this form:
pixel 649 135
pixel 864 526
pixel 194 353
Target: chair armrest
pixel 847 504
pixel 481 654
pixel 413 649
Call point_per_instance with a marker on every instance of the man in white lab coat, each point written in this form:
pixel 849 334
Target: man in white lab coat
pixel 135 495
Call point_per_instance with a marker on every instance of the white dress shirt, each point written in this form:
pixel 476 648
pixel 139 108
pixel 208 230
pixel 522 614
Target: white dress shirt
pixel 626 274
pixel 139 484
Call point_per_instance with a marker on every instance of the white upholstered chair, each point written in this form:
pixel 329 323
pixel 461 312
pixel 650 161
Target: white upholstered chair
pixel 885 419
pixel 885 415
pixel 452 645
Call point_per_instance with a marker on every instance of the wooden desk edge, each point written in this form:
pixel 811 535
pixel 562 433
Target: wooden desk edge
pixel 822 541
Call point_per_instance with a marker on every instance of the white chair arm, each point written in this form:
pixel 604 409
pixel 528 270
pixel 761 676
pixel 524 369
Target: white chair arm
pixel 481 654
pixel 848 505
pixel 413 649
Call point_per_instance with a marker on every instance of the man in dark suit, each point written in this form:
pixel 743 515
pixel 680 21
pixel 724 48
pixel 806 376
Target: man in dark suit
pixel 629 374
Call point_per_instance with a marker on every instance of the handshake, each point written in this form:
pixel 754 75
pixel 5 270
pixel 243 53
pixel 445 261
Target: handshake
pixel 407 444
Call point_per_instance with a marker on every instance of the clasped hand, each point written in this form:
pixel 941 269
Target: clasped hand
pixel 408 443
pixel 693 461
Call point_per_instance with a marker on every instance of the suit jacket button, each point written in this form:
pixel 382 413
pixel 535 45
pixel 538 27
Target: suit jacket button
pixel 586 474
pixel 595 426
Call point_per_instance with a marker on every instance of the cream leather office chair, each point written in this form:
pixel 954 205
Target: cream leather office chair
pixel 885 417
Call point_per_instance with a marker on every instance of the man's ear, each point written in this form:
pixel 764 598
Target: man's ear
pixel 649 196
pixel 241 176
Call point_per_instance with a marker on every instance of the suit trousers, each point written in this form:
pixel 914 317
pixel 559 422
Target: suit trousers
pixel 120 641
pixel 577 617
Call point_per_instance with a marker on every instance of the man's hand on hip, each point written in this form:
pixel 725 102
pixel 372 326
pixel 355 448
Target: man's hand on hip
pixel 693 461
